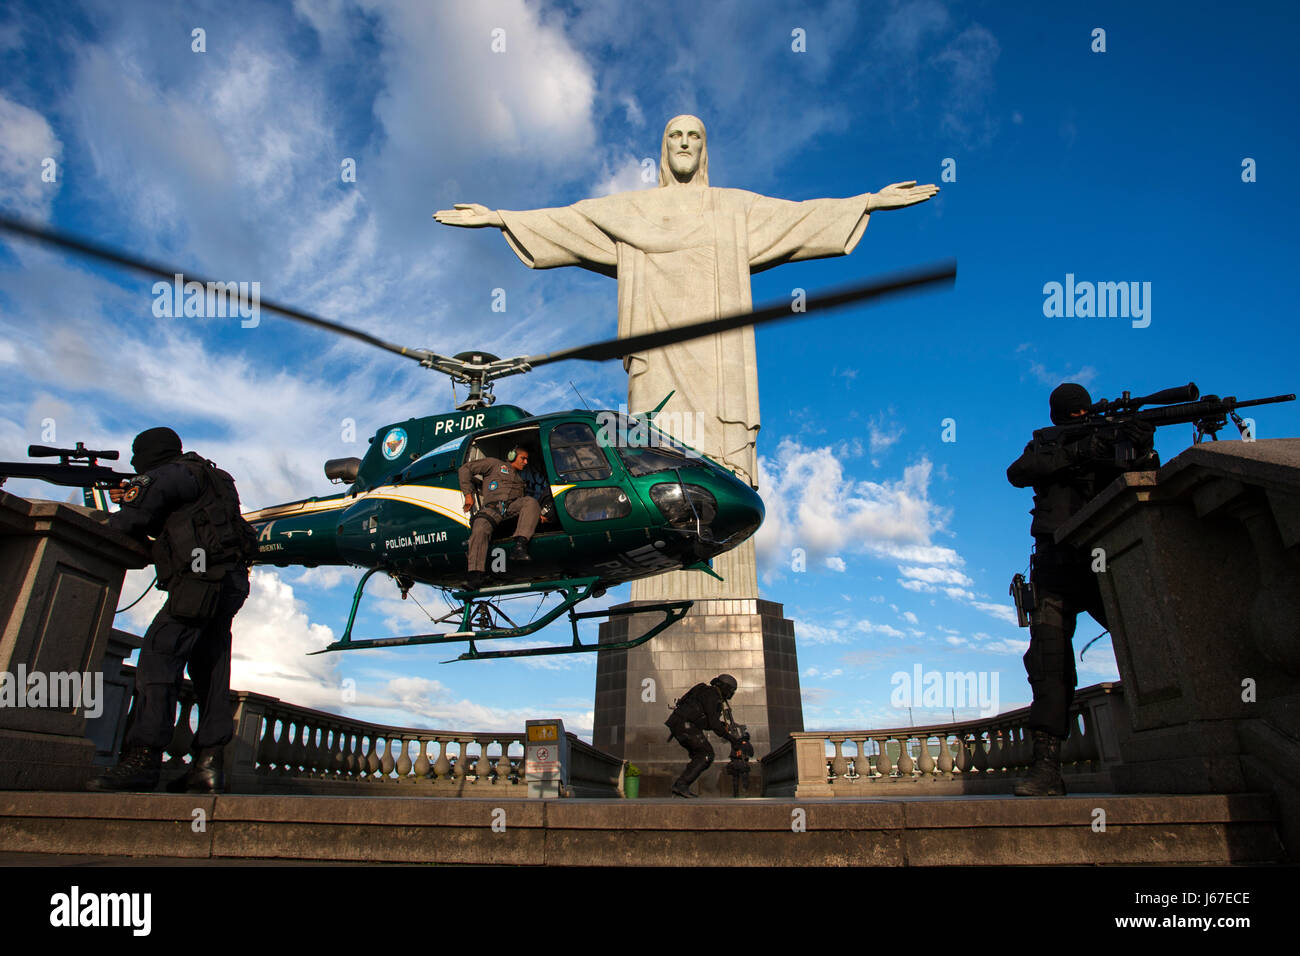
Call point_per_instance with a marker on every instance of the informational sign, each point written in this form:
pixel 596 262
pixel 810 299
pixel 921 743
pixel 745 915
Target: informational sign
pixel 546 758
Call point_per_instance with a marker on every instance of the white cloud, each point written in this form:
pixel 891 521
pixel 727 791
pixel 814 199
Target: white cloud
pixel 835 563
pixel 935 575
pixel 887 519
pixel 26 142
pixel 808 633
pixel 867 627
pixel 1003 612
pixel 626 175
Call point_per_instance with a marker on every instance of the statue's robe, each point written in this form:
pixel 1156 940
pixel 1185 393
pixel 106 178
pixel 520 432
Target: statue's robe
pixel 681 255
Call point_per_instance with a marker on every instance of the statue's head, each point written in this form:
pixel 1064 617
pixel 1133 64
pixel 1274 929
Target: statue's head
pixel 684 156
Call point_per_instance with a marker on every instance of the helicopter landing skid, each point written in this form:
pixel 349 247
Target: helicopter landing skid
pixel 480 619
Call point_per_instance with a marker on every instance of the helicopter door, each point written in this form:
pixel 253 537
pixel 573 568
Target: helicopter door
pixel 499 445
pixel 576 458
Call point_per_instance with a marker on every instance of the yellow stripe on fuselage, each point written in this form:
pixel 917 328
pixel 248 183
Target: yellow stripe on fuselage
pixel 448 502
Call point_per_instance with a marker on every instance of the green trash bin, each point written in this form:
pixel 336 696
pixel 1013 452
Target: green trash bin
pixel 631 782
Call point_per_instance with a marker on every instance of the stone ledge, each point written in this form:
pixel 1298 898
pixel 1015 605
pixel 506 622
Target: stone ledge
pixel 899 831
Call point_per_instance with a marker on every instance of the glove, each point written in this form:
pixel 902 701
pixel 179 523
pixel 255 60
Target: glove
pixel 1140 434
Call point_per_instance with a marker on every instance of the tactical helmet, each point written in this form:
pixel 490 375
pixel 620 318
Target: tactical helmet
pixel 1068 398
pixel 726 685
pixel 153 447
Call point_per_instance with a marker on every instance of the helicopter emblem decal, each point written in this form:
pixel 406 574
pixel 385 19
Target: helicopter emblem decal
pixel 394 443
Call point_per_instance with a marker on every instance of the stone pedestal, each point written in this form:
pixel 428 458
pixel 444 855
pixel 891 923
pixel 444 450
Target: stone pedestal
pixel 60 580
pixel 1202 588
pixel 636 688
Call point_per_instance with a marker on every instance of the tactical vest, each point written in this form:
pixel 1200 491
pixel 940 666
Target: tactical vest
pixel 211 523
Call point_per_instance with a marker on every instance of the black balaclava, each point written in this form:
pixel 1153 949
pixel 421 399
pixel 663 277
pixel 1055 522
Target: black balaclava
pixel 1068 398
pixel 726 685
pixel 154 447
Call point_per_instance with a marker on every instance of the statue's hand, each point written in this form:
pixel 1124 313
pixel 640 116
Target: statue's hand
pixel 898 195
pixel 470 215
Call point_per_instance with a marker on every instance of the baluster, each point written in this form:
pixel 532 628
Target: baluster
pixel 520 765
pixel 475 764
pixel 404 762
pixel 282 748
pixel 883 765
pixel 995 750
pixel 372 758
pixel 422 764
pixel 979 756
pixel 266 745
pixel 945 756
pixel 386 762
pixel 963 753
pixel 298 748
pixel 338 741
pixel 905 762
pixel 442 766
pixel 1088 745
pixel 839 763
pixel 356 758
pixel 927 761
pixel 862 763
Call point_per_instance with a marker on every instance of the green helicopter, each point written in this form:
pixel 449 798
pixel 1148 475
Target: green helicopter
pixel 626 500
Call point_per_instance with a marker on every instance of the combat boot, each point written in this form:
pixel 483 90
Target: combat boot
pixel 137 771
pixel 206 774
pixel 682 790
pixel 1044 778
pixel 520 551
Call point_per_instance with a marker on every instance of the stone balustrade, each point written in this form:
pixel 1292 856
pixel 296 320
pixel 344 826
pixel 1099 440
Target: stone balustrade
pixel 976 756
pixel 280 747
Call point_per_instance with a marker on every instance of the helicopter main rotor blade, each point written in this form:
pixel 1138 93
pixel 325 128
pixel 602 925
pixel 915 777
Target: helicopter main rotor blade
pixel 72 244
pixel 942 273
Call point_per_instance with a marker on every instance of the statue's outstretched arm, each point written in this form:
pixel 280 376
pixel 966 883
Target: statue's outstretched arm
pixel 898 195
pixel 470 215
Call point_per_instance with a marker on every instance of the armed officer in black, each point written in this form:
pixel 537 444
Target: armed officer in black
pixel 704 707
pixel 1066 471
pixel 201 546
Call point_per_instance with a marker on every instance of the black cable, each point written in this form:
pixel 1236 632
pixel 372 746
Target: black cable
pixel 139 599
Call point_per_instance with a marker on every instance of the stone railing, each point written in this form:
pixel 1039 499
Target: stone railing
pixel 976 756
pixel 284 748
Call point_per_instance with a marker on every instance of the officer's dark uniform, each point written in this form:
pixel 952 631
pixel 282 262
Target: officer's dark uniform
pixel 1065 475
pixel 185 504
pixel 704 707
pixel 504 493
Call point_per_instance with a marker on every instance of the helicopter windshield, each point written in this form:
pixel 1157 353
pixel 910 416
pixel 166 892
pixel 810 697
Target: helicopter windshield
pixel 646 450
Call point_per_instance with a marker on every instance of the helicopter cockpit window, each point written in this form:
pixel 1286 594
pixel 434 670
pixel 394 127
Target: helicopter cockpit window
pixel 576 454
pixel 646 450
pixel 596 504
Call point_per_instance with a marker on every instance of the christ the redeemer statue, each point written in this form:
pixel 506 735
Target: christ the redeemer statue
pixel 683 253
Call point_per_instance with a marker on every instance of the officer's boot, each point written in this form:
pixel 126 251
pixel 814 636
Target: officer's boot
pixel 206 774
pixel 520 551
pixel 137 771
pixel 1044 778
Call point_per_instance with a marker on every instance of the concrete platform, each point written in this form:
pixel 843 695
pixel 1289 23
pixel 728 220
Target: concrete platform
pixel 895 831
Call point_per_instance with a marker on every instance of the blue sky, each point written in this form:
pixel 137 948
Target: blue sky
pixel 1116 166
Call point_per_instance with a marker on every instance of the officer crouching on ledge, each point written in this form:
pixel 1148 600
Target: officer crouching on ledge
pixel 201 546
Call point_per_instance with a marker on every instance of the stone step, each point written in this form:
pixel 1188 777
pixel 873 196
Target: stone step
pixel 894 831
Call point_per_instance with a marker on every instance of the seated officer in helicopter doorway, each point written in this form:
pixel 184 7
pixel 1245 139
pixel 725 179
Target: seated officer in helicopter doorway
pixel 504 493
